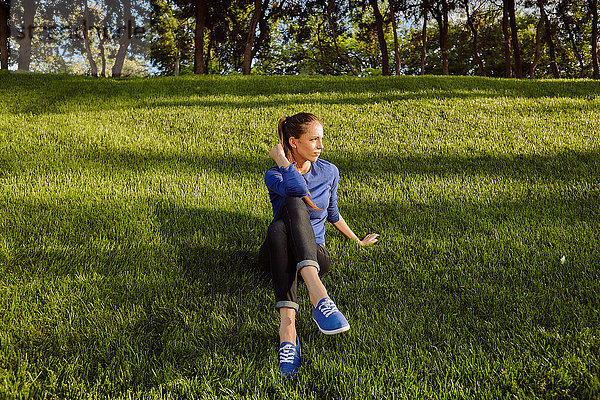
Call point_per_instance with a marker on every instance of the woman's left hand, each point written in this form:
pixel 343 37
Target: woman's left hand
pixel 370 239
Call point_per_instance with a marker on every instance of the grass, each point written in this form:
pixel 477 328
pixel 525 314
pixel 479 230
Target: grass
pixel 131 212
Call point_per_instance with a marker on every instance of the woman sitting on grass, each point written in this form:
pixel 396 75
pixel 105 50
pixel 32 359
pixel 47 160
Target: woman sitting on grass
pixel 295 240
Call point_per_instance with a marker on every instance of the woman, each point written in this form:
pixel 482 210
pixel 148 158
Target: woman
pixel 303 192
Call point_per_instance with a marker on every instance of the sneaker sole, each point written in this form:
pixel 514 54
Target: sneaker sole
pixel 335 331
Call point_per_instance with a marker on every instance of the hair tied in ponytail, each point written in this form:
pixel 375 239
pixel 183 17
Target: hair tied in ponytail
pixel 295 126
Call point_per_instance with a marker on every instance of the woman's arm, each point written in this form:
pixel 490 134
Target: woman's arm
pixel 343 227
pixel 278 155
pixel 285 180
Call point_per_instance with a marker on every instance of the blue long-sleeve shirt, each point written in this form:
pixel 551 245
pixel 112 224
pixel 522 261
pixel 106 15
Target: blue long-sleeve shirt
pixel 322 183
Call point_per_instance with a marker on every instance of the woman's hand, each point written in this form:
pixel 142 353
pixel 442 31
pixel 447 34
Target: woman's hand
pixel 343 227
pixel 277 154
pixel 371 238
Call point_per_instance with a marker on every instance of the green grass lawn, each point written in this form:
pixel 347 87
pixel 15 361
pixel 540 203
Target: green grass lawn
pixel 131 212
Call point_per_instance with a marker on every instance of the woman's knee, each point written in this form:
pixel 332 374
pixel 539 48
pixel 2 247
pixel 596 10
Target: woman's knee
pixel 324 260
pixel 293 202
pixel 324 269
pixel 276 233
pixel 296 208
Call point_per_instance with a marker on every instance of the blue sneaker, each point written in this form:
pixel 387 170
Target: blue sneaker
pixel 290 358
pixel 328 318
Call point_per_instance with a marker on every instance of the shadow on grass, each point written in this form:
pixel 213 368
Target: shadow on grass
pixel 561 166
pixel 497 262
pixel 233 164
pixel 213 243
pixel 567 165
pixel 197 315
pixel 43 94
pixel 152 306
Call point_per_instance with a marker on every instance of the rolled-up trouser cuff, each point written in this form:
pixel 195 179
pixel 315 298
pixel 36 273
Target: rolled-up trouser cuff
pixel 286 303
pixel 307 263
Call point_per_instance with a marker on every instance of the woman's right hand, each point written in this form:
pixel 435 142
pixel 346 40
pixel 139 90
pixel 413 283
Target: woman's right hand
pixel 277 154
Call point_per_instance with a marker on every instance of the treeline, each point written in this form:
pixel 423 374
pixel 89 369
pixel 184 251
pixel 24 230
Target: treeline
pixel 501 38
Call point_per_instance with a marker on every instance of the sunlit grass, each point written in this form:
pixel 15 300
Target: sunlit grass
pixel 131 212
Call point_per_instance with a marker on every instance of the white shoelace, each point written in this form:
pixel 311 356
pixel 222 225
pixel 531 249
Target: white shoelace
pixel 287 354
pixel 327 307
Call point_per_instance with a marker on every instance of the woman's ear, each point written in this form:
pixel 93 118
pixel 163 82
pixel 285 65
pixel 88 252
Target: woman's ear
pixel 292 141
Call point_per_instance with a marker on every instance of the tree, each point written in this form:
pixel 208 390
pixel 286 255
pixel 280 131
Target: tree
pixel 424 8
pixel 172 34
pixel 172 46
pixel 125 16
pixel 4 32
pixel 26 35
pixel 257 16
pixel 510 8
pixel 538 45
pixel 200 15
pixel 507 38
pixel 394 6
pixel 549 40
pixel 441 10
pixel 572 16
pixel 471 23
pixel 87 20
pixel 385 59
pixel 329 9
pixel 593 7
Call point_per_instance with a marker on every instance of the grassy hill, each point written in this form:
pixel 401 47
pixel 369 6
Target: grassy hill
pixel 131 212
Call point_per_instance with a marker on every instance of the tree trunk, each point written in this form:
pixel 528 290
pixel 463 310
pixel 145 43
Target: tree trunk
pixel 86 41
pixel 395 28
pixel 262 25
pixel 385 60
pixel 424 38
pixel 209 50
pixel 444 38
pixel 4 32
pixel 515 39
pixel 256 16
pixel 103 58
pixel 575 49
pixel 200 14
pixel 123 40
pixel 475 40
pixel 594 10
pixel 329 8
pixel 440 13
pixel 29 10
pixel 538 48
pixel 321 51
pixel 506 33
pixel 551 45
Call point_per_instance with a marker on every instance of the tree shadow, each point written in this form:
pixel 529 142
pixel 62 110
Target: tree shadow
pixel 455 279
pixel 561 166
pixel 183 293
pixel 567 165
pixel 127 160
pixel 43 94
pixel 212 244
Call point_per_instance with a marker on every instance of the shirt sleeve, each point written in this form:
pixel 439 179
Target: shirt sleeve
pixel 333 213
pixel 286 181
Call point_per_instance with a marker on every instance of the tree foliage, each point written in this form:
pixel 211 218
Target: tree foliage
pixel 502 38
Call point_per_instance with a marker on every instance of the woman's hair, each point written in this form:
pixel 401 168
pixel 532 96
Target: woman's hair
pixel 295 126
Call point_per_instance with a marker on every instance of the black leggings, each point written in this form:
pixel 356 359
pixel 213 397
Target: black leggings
pixel 290 245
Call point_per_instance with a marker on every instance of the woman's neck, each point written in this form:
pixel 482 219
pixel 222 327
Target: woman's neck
pixel 303 167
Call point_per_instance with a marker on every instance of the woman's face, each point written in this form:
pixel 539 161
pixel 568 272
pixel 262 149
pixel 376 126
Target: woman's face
pixel 309 145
